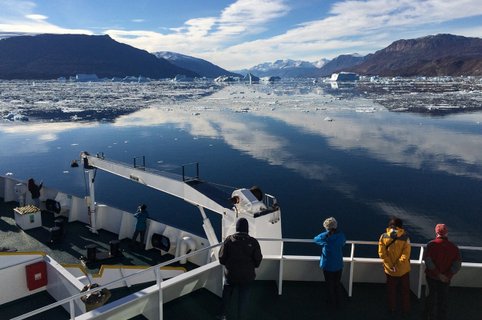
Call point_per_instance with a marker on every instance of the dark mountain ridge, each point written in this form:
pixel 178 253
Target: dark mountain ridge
pixel 49 56
pixel 340 63
pixel 435 55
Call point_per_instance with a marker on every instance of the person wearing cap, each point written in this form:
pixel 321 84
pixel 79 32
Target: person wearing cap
pixel 442 260
pixel 241 255
pixel 332 241
pixel 141 225
pixel 394 249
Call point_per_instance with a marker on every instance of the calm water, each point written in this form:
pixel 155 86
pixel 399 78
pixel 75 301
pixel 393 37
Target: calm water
pixel 362 167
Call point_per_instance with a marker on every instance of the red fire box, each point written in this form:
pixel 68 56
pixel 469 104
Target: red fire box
pixel 36 275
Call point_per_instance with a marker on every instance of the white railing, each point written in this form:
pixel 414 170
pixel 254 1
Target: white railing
pixel 352 261
pixel 70 300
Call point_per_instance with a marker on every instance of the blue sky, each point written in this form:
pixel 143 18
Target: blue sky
pixel 243 33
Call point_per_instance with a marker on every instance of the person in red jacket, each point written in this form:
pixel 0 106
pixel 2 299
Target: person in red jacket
pixel 442 261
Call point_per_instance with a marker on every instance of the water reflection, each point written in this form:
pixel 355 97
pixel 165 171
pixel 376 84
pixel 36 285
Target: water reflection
pixel 402 139
pixel 447 145
pixel 367 163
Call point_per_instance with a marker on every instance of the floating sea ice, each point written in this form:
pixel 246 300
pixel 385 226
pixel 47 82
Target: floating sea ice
pixel 9 174
pixel 20 117
pixel 366 109
pixel 66 171
pixel 9 117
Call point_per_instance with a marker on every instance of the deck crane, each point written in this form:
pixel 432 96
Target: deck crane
pixel 261 210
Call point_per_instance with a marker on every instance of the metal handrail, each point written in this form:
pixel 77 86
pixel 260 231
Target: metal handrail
pixel 166 263
pixel 78 295
pixel 39 258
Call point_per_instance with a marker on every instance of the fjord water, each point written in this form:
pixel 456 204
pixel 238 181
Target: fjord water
pixel 320 154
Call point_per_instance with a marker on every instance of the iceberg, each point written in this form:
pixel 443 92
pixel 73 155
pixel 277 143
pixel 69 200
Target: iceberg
pixel 345 76
pixel 251 78
pixel 86 77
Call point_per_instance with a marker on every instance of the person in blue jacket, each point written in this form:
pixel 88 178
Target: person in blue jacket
pixel 141 224
pixel 332 241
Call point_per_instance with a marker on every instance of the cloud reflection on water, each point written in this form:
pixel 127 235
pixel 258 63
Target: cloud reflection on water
pixel 33 137
pixel 241 116
pixel 406 140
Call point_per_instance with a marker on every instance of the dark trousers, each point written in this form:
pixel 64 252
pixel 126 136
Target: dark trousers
pixel 437 299
pixel 142 232
pixel 393 285
pixel 243 299
pixel 333 288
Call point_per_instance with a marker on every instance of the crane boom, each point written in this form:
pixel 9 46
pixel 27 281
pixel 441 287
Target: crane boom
pixel 261 210
pixel 169 183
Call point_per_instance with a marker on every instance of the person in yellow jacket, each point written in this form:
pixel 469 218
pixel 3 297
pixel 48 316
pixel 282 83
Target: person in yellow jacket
pixel 394 250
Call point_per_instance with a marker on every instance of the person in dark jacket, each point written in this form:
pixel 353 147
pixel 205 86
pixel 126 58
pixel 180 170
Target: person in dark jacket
pixel 35 191
pixel 332 241
pixel 241 255
pixel 442 261
pixel 141 225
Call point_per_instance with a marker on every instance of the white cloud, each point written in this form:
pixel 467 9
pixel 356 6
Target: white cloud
pixel 350 26
pixel 240 19
pixel 36 17
pixel 19 17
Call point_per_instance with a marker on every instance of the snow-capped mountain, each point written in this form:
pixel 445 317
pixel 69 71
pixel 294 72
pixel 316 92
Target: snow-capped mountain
pixel 202 67
pixel 282 64
pixel 303 69
pixel 320 63
pixel 286 68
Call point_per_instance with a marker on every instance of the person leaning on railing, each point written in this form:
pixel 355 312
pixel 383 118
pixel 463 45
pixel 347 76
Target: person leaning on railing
pixel 332 241
pixel 35 191
pixel 394 249
pixel 442 261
